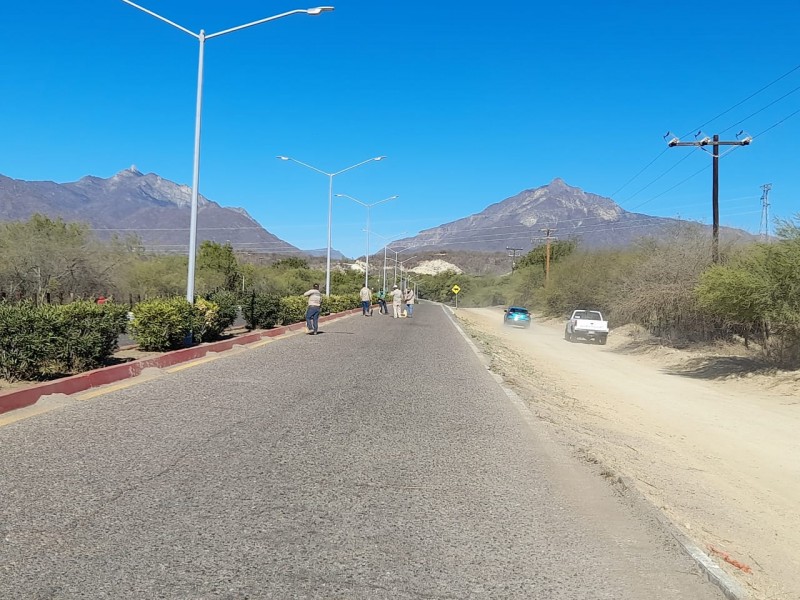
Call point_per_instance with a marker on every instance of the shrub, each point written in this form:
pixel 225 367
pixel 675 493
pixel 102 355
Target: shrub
pixel 37 341
pixel 338 303
pixel 294 309
pixel 163 324
pixel 263 311
pixel 87 333
pixel 210 325
pixel 25 341
pixel 228 306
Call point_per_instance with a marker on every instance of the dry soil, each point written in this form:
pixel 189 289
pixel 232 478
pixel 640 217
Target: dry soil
pixel 709 436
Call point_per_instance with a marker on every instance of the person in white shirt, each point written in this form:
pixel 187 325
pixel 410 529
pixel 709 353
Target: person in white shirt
pixel 312 312
pixel 366 301
pixel 397 300
pixel 409 297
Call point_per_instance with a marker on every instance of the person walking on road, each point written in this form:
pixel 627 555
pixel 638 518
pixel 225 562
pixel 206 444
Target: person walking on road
pixel 312 312
pixel 397 299
pixel 382 302
pixel 366 301
pixel 409 297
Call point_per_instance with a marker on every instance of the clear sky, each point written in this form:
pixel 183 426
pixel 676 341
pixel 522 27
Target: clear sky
pixel 472 102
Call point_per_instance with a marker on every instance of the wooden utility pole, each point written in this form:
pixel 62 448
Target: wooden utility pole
pixel 715 143
pixel 547 231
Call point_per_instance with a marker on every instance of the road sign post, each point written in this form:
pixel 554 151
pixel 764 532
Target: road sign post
pixel 455 289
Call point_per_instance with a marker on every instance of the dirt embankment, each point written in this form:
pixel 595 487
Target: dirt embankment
pixel 709 436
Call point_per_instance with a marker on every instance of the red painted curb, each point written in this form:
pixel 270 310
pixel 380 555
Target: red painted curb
pixel 83 381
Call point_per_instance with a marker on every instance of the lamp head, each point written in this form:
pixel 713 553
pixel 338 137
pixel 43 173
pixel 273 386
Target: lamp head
pixel 379 158
pixel 319 10
pixel 282 157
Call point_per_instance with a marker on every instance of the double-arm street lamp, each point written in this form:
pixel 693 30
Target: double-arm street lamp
pixel 368 207
pixel 330 205
pixel 202 37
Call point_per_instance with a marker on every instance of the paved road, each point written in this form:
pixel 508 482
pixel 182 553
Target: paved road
pixel 377 460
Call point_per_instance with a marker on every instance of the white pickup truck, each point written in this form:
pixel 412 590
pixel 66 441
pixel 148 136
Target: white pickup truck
pixel 586 324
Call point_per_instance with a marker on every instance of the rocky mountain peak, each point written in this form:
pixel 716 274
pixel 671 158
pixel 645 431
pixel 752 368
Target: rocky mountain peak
pixel 154 208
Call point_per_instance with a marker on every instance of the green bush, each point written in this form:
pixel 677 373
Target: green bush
pixel 228 304
pixel 208 318
pixel 163 324
pixel 294 309
pixel 87 333
pixel 338 303
pixel 40 341
pixel 263 311
pixel 26 340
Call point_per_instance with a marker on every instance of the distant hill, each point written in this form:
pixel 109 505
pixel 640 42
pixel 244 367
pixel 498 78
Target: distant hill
pixel 519 221
pixel 155 209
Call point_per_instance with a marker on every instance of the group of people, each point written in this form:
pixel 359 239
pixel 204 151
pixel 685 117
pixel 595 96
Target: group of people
pixel 397 296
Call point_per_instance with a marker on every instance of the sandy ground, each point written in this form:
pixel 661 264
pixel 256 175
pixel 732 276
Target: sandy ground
pixel 705 435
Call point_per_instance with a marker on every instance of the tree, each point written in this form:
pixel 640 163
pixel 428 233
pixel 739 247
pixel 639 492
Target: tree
pixel 538 256
pixel 42 257
pixel 217 267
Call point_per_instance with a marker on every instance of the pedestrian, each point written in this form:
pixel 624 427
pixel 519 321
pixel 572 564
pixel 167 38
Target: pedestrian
pixel 409 297
pixel 397 298
pixel 366 301
pixel 312 312
pixel 382 302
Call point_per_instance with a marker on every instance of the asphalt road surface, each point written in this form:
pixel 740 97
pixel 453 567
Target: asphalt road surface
pixel 379 459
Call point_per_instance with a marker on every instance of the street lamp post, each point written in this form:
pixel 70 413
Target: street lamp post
pixel 330 205
pixel 402 262
pixel 388 240
pixel 368 207
pixel 202 37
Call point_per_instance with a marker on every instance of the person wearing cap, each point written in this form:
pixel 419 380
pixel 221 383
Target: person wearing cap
pixel 397 300
pixel 312 312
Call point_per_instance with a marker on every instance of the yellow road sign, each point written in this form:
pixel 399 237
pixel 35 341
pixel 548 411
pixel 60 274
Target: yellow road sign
pixel 456 289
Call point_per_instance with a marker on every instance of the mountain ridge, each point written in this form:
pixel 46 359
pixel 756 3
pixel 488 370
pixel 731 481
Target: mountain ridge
pixel 157 210
pixel 527 218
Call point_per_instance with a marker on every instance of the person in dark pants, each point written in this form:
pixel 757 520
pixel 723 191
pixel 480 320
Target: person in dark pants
pixel 382 302
pixel 366 301
pixel 312 312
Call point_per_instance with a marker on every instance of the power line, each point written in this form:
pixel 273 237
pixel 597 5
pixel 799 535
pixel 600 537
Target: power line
pixel 724 112
pixel 763 108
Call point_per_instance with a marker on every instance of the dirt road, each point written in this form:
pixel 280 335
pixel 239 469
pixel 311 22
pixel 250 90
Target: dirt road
pixel 717 451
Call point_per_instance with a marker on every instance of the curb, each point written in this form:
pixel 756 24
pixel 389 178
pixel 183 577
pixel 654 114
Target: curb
pixel 729 587
pixel 83 381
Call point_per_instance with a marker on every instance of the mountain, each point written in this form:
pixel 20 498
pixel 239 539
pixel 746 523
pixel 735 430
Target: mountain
pixel 157 210
pixel 521 221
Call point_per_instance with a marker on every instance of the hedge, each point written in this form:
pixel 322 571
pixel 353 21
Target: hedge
pixel 37 342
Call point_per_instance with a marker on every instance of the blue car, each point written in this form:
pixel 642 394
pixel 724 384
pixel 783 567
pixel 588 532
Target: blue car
pixel 516 315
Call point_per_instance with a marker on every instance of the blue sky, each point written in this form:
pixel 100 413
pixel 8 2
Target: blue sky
pixel 471 102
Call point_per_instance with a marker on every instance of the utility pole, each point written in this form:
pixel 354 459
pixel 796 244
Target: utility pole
pixel 547 231
pixel 512 252
pixel 763 229
pixel 715 143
